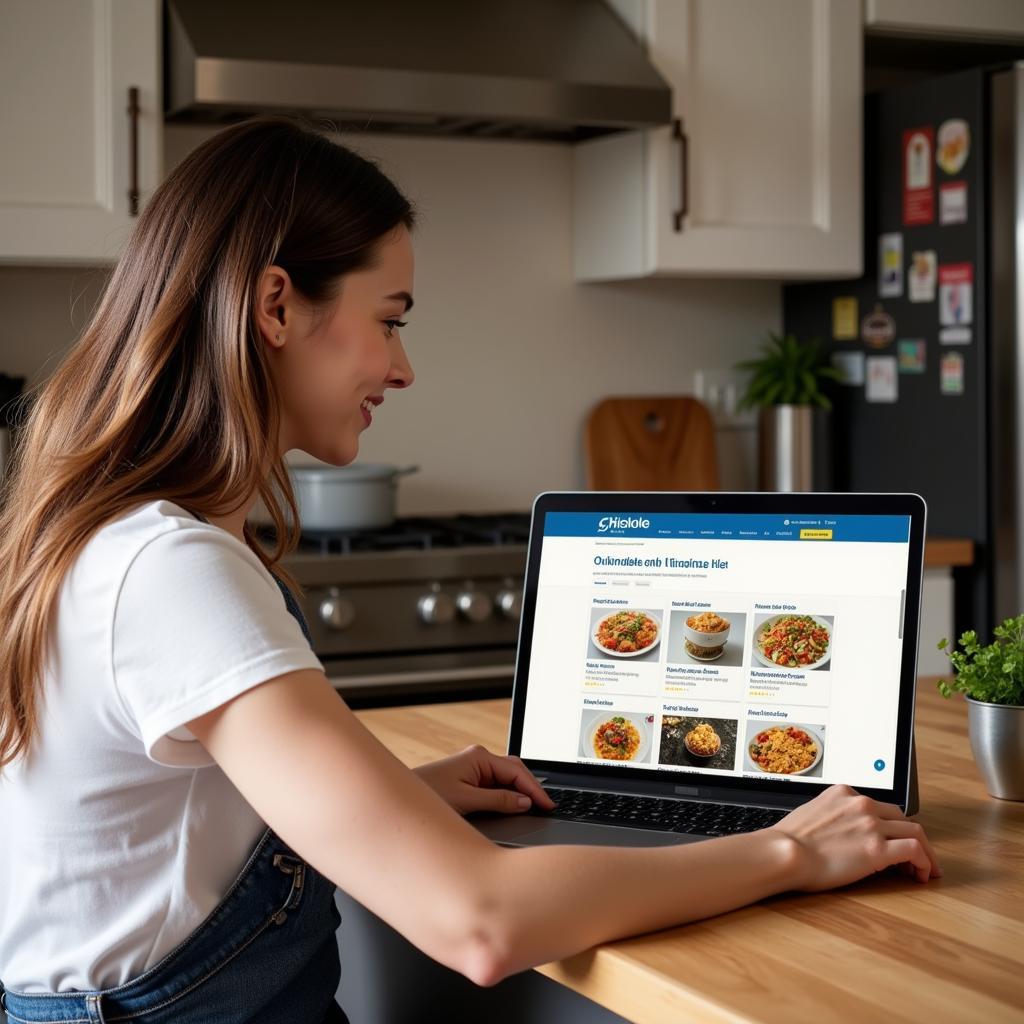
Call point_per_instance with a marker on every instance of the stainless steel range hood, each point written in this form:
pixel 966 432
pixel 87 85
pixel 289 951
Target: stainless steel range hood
pixel 560 70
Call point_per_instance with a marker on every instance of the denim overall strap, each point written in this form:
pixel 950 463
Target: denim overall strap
pixel 293 606
pixel 266 954
pixel 289 598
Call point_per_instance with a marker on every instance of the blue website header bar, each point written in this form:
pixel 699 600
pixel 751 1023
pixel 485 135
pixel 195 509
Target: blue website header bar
pixel 723 526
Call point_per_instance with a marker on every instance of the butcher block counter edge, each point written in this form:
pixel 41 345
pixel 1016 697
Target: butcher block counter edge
pixel 886 948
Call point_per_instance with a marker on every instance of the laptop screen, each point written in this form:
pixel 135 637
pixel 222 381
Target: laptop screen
pixel 742 646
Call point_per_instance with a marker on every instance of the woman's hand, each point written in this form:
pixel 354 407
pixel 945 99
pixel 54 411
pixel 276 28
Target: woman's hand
pixel 843 836
pixel 477 780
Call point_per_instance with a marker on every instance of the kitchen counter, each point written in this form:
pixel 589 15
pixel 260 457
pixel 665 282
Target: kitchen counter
pixel 883 949
pixel 948 552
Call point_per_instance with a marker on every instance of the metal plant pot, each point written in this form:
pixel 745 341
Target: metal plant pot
pixel 793 449
pixel 997 742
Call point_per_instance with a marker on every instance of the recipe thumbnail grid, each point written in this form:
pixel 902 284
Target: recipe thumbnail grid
pixel 828 717
pixel 692 736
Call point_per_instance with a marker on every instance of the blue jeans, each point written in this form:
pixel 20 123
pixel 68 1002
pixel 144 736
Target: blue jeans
pixel 266 954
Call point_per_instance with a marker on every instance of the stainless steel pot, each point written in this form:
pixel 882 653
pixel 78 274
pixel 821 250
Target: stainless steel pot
pixel 356 497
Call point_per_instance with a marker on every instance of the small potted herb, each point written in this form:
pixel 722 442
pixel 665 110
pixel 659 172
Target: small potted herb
pixel 991 677
pixel 786 386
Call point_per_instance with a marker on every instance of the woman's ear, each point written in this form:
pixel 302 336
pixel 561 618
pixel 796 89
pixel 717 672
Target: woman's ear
pixel 274 303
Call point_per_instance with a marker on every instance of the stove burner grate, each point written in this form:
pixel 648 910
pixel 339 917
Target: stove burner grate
pixel 419 533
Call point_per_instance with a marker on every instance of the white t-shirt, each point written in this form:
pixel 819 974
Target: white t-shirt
pixel 121 834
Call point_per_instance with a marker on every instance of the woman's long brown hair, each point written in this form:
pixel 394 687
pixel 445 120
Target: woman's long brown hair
pixel 168 392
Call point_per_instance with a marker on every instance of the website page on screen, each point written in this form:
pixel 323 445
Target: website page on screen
pixel 751 646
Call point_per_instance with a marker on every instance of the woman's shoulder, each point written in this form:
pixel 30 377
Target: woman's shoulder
pixel 160 531
pixel 152 517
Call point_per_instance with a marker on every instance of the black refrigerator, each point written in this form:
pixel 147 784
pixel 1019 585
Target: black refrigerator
pixel 929 341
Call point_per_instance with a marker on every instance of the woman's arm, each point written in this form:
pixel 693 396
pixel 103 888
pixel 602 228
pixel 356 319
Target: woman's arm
pixel 346 804
pixel 549 903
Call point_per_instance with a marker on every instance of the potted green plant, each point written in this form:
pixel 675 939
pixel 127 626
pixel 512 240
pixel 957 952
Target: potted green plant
pixel 786 386
pixel 991 677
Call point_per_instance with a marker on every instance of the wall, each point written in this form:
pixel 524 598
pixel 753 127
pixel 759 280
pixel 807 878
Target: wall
pixel 509 352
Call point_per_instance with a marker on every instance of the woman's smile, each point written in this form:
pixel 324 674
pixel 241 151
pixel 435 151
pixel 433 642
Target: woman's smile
pixel 366 407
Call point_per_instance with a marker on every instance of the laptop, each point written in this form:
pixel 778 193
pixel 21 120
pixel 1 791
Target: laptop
pixel 698 664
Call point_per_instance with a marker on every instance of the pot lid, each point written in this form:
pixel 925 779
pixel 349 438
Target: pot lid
pixel 355 473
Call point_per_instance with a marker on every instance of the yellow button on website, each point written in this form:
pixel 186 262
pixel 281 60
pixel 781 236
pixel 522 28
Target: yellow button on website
pixel 815 534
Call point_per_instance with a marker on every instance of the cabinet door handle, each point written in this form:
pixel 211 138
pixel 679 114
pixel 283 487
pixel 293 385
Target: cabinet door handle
pixel 684 174
pixel 133 150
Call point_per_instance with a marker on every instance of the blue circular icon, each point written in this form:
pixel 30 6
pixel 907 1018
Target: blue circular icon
pixel 879 765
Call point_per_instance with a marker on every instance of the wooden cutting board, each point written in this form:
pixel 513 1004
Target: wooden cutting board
pixel 650 444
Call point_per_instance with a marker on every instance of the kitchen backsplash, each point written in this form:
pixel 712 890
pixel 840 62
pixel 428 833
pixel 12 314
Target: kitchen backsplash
pixel 509 351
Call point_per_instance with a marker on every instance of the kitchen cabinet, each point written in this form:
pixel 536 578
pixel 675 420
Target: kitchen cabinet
pixel 762 177
pixel 988 20
pixel 70 153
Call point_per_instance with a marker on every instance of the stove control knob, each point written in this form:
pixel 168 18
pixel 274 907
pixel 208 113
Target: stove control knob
pixel 509 602
pixel 436 608
pixel 475 605
pixel 336 611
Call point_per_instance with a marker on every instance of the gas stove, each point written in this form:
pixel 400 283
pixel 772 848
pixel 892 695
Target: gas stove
pixel 424 610
pixel 423 534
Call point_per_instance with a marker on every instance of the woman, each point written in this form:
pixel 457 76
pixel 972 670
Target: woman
pixel 182 787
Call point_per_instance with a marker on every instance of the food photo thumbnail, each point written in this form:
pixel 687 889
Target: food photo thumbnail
pixel 783 748
pixel 613 735
pixel 706 637
pixel 633 633
pixel 793 641
pixel 698 742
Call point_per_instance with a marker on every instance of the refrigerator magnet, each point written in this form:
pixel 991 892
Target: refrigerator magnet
pixel 844 318
pixel 882 384
pixel 890 265
pixel 877 329
pixel 955 336
pixel 954 145
pixel 956 286
pixel 921 276
pixel 953 202
pixel 850 366
pixel 951 374
pixel 918 194
pixel 911 353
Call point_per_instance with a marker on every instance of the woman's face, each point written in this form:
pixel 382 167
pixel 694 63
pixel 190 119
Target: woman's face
pixel 334 368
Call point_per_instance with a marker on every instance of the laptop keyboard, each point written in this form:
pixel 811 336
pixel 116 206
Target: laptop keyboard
pixel 665 815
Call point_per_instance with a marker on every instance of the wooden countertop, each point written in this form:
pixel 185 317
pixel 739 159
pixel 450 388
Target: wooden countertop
pixel 885 949
pixel 948 552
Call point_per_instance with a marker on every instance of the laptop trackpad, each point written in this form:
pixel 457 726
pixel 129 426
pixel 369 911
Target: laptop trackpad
pixel 533 831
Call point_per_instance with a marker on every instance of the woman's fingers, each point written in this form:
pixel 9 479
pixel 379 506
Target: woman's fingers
pixel 510 771
pixel 898 851
pixel 904 829
pixel 890 812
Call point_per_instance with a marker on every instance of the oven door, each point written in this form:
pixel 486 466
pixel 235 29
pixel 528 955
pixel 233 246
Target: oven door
pixel 425 678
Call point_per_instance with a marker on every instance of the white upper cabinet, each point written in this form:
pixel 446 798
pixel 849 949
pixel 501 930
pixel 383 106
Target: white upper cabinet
pixel 71 147
pixel 991 20
pixel 762 177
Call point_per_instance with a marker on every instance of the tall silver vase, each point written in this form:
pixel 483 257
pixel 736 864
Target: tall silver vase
pixel 793 449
